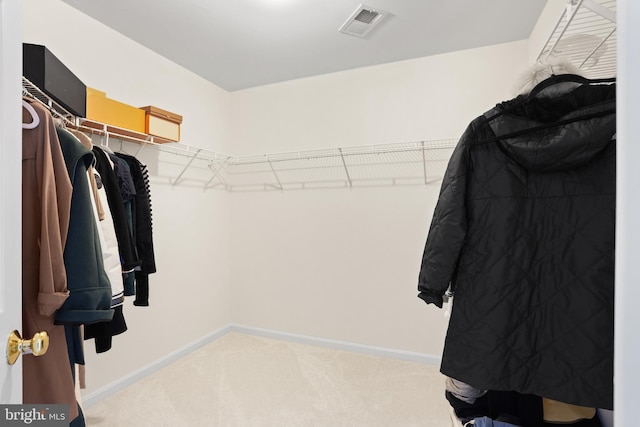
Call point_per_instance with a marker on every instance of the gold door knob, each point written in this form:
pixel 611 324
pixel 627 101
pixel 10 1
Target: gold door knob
pixel 37 345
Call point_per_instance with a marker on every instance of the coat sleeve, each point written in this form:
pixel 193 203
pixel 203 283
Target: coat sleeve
pixel 448 228
pixel 54 194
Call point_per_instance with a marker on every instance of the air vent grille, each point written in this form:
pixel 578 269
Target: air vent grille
pixel 363 21
pixel 366 16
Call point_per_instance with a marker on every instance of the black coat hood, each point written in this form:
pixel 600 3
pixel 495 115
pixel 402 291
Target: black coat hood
pixel 572 129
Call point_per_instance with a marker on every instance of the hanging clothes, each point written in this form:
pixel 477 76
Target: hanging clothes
pixel 106 230
pixel 46 206
pixel 564 413
pixel 86 141
pixel 89 287
pixel 103 332
pixel 523 232
pixel 128 192
pixel 463 391
pixel 143 227
pixel 128 253
pixel 520 410
pixel 125 180
pixel 488 422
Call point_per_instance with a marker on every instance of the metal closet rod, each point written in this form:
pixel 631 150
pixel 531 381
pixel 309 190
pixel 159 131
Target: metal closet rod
pixel 346 151
pixel 57 110
pixel 194 152
pixel 224 160
pixel 144 140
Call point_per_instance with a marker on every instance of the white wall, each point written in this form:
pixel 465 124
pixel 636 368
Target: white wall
pixel 189 295
pixel 10 195
pixel 544 27
pixel 343 264
pixel 127 71
pixel 331 263
pixel 433 97
pixel 336 264
pixel 627 339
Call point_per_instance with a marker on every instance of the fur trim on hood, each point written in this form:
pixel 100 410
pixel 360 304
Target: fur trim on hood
pixel 542 70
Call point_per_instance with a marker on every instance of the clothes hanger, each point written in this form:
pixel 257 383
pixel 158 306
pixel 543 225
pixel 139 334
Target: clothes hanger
pixel 555 79
pixel 567 78
pixel 105 147
pixel 548 125
pixel 60 122
pixel 35 119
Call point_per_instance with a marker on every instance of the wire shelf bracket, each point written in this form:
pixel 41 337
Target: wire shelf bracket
pixel 189 163
pixel 217 174
pixel 346 169
pixel 585 34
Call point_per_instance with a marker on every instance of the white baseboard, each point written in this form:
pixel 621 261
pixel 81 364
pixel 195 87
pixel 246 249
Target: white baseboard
pixel 127 380
pixel 340 345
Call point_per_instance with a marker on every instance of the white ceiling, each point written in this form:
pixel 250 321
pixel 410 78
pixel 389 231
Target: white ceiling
pixel 239 44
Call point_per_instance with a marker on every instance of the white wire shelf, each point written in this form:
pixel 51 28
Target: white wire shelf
pixel 397 164
pixel 585 35
pixel 403 163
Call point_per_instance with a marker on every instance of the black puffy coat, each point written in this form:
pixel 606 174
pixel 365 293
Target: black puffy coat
pixel 523 231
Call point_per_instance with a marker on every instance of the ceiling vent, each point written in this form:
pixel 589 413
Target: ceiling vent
pixel 362 21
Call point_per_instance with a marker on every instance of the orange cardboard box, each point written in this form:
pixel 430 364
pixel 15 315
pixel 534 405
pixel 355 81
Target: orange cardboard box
pixel 105 110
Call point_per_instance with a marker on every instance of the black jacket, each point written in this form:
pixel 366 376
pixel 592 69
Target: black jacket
pixel 128 255
pixel 143 228
pixel 523 231
pixel 142 219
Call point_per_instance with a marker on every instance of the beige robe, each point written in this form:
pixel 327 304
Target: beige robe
pixel 46 205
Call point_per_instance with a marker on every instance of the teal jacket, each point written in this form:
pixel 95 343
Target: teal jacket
pixel 89 287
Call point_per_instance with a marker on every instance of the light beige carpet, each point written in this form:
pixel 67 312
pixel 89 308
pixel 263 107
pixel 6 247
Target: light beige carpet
pixel 243 380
